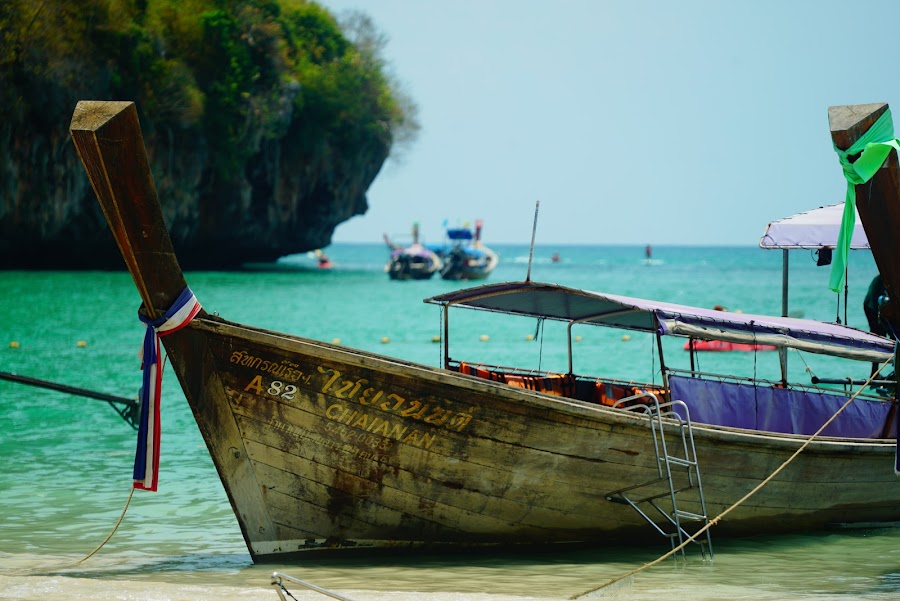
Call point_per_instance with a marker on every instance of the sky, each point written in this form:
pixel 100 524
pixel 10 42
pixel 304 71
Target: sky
pixel 694 122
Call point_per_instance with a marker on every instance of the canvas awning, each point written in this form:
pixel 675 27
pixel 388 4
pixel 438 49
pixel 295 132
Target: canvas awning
pixel 561 303
pixel 813 229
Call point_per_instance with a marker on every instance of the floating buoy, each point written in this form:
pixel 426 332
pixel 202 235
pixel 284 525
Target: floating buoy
pixel 529 337
pixel 484 338
pixel 578 339
pixel 385 340
pixel 335 341
pixel 626 338
pixel 81 344
pixel 435 338
pixel 13 344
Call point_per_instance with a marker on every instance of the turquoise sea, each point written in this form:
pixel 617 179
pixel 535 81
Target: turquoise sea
pixel 66 460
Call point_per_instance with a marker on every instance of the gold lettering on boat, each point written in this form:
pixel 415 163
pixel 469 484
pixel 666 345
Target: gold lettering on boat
pixel 365 400
pixel 255 384
pixel 419 439
pixel 355 389
pixel 372 430
pixel 362 422
pixel 283 370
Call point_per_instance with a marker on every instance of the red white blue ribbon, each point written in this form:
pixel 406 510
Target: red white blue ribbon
pixel 146 459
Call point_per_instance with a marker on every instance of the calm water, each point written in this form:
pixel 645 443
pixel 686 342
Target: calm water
pixel 66 460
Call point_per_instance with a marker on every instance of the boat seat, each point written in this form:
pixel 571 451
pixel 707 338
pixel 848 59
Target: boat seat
pixel 608 393
pixel 481 372
pixel 555 384
pixel 558 384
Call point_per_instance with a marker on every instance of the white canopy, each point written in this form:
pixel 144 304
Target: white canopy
pixel 817 228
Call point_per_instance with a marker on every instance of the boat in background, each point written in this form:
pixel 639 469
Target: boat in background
pixel 413 262
pixel 322 260
pixel 465 257
pixel 723 346
pixel 327 449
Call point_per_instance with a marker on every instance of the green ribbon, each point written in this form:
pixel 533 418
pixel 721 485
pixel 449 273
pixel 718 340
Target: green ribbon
pixel 874 146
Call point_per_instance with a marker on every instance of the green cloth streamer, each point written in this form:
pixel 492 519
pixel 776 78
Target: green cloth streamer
pixel 875 146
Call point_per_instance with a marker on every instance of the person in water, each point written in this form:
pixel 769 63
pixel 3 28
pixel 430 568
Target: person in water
pixel 875 297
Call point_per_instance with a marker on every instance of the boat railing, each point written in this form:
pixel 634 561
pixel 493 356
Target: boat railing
pixel 579 387
pixel 278 580
pixel 454 365
pixel 853 383
pixel 505 369
pixel 814 385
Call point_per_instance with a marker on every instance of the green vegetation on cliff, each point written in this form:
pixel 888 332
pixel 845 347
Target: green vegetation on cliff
pixel 231 68
pixel 246 90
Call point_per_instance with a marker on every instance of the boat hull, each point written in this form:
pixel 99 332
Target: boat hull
pixel 413 263
pixel 461 264
pixel 723 346
pixel 322 449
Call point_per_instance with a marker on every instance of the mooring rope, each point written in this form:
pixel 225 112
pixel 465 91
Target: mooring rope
pixel 165 359
pixel 740 501
pixel 116 527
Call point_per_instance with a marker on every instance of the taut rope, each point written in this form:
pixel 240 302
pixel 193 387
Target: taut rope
pixel 740 501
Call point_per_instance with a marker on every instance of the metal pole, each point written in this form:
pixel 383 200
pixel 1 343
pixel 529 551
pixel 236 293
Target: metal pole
pixel 537 205
pixel 782 352
pixel 130 413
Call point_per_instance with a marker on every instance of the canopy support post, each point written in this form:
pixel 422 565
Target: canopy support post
pixel 662 362
pixel 447 336
pixel 782 351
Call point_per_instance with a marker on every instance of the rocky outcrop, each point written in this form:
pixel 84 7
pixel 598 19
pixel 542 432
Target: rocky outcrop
pixel 263 134
pixel 284 200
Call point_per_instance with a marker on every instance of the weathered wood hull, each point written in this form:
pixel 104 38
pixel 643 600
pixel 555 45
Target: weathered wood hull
pixel 325 448
pixel 321 447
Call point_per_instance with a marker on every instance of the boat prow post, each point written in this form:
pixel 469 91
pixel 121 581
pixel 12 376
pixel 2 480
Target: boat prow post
pixel 108 138
pixel 109 141
pixel 878 201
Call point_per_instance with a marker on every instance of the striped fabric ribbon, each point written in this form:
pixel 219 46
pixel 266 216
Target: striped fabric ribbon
pixel 146 460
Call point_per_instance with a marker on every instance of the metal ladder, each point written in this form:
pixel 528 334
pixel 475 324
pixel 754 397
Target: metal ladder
pixel 677 464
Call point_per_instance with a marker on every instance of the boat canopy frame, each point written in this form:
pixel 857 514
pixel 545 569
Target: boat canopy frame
pixel 576 306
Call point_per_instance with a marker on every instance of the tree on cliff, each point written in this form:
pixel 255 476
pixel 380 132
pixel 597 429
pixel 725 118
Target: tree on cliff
pixel 265 123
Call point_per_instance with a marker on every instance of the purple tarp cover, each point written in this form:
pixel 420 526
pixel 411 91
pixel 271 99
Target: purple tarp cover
pixel 773 409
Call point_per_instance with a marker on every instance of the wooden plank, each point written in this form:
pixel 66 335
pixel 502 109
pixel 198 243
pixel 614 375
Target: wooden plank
pixel 108 138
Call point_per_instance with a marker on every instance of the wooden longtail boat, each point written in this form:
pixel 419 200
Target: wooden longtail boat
pixel 322 448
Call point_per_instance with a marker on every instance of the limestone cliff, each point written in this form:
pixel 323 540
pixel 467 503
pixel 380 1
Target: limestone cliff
pixel 283 202
pixel 265 127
